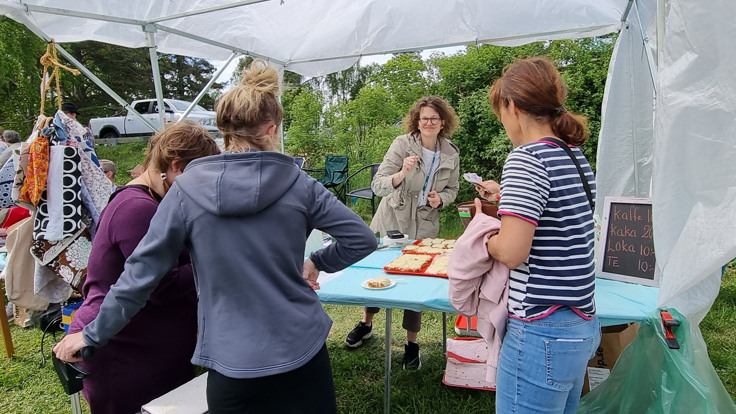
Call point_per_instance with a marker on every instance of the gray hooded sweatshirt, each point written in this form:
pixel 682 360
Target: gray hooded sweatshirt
pixel 245 219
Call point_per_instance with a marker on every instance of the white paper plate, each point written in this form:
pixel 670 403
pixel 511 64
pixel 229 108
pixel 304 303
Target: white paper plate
pixel 365 285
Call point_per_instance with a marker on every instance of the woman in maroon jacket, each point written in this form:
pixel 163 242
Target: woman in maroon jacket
pixel 151 356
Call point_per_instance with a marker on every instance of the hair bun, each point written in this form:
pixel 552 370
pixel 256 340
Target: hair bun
pixel 261 77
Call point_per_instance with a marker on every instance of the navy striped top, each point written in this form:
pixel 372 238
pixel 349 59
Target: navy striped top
pixel 541 185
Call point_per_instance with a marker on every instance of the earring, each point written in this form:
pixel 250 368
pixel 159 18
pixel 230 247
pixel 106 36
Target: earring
pixel 163 177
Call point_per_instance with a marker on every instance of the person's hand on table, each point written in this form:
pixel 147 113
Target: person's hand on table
pixel 434 199
pixel 310 273
pixel 488 189
pixel 70 345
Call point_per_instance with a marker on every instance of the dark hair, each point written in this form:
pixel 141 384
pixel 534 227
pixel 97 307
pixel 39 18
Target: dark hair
pixel 536 88
pixel 447 113
pixel 184 140
pixel 244 110
pixel 10 136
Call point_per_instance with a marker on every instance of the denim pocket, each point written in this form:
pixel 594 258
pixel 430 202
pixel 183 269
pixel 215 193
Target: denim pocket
pixel 566 361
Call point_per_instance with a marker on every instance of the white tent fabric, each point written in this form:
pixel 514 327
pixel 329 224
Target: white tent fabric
pixel 681 154
pixel 694 185
pixel 625 152
pixel 314 37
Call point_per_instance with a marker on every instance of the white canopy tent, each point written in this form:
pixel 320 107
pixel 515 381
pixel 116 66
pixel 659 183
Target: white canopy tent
pixel 675 53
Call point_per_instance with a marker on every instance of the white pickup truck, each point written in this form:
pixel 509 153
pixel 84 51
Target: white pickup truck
pixel 130 125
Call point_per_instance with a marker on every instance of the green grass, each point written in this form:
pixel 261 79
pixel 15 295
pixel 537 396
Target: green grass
pixel 25 387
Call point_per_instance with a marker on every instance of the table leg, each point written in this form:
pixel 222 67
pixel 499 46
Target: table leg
pixel 444 334
pixel 387 385
pixel 5 330
pixel 76 403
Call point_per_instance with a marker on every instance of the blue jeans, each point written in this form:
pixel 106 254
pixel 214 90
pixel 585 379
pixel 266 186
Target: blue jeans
pixel 542 363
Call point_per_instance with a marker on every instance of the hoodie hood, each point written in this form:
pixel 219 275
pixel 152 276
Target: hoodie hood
pixel 238 184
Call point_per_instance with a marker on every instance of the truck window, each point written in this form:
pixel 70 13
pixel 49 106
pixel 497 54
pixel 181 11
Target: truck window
pixel 142 107
pixel 167 108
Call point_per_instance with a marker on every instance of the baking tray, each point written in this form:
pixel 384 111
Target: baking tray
pixel 416 243
pixel 421 272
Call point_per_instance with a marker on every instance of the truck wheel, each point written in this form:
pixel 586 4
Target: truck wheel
pixel 111 134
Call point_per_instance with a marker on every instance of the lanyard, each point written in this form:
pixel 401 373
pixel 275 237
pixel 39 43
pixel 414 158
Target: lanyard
pixel 429 171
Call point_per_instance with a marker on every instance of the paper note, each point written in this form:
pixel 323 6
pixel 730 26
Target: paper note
pixel 472 178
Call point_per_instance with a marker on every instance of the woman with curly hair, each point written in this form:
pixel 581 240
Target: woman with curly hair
pixel 418 176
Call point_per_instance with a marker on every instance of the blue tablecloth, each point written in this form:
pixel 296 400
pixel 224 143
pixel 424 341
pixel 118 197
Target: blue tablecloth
pixel 617 302
pixel 416 293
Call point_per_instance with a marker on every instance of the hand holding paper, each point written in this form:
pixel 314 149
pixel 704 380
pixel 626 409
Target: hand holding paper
pixel 472 178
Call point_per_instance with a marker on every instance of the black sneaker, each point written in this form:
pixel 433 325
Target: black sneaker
pixel 412 357
pixel 358 334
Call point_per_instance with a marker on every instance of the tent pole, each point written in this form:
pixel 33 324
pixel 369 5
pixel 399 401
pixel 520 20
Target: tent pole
pixel 150 30
pixel 660 28
pixel 647 50
pixel 208 10
pixel 208 85
pixel 97 81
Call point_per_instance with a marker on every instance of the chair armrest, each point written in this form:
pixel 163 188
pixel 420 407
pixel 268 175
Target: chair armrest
pixel 359 170
pixel 347 180
pixel 314 169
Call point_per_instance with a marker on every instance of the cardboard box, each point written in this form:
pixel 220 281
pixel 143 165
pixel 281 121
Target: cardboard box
pixel 25 318
pixel 614 340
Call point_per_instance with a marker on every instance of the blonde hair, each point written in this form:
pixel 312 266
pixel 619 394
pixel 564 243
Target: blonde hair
pixel 446 112
pixel 183 141
pixel 536 88
pixel 243 111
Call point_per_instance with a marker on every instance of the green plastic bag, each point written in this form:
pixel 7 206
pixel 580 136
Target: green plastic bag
pixel 649 377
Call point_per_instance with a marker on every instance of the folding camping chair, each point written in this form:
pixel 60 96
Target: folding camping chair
pixel 334 174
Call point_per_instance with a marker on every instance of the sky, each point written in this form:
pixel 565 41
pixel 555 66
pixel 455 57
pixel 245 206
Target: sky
pixel 366 60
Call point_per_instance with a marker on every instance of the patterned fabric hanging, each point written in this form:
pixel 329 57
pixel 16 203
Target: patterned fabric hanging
pixel 59 214
pixel 7 175
pixel 37 171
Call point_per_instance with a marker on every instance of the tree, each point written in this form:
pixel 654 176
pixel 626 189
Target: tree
pixel 404 78
pixel 305 136
pixel 583 64
pixel 20 76
pixel 185 77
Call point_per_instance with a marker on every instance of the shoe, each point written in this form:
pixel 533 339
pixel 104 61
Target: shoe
pixel 412 357
pixel 358 334
pixel 9 311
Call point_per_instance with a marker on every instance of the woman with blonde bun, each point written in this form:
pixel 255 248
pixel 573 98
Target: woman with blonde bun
pixel 245 216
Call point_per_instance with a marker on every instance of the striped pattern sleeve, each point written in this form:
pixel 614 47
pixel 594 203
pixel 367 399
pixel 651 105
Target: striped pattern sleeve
pixel 524 186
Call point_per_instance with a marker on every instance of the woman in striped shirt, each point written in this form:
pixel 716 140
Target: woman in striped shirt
pixel 546 239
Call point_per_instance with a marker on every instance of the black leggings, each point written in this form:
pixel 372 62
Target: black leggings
pixel 307 389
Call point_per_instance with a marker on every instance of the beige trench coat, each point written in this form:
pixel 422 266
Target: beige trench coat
pixel 398 209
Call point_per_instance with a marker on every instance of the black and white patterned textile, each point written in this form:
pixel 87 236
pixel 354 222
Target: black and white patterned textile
pixel 59 214
pixel 7 175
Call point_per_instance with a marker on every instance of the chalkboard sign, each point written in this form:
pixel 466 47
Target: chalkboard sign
pixel 626 248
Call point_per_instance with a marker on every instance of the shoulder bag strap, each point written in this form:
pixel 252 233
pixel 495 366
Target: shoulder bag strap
pixel 574 159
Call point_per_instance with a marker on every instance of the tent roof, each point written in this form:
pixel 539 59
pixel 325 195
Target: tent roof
pixel 314 37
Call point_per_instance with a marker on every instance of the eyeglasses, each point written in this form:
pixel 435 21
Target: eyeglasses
pixel 434 120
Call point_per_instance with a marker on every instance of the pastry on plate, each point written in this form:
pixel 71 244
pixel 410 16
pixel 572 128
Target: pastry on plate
pixel 378 282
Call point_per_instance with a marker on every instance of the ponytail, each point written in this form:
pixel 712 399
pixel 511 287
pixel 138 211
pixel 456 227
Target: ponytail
pixel 571 128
